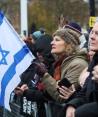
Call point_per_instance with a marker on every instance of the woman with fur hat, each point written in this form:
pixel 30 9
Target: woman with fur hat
pixel 69 64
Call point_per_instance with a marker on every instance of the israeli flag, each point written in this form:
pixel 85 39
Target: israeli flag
pixel 15 58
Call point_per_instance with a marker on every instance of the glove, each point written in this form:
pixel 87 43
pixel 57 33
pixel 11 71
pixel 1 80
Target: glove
pixel 40 68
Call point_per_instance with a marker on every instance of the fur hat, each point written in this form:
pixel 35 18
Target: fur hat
pixel 67 36
pixel 74 29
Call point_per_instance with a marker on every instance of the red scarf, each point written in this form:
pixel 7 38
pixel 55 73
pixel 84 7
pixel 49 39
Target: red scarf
pixel 57 66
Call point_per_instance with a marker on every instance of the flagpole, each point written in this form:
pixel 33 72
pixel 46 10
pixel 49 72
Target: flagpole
pixel 24 18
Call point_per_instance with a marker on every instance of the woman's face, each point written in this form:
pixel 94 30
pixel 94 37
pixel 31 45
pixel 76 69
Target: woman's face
pixel 93 38
pixel 58 45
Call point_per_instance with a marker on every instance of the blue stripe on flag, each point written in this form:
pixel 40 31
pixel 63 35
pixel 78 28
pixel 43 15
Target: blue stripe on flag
pixel 11 71
pixel 1 17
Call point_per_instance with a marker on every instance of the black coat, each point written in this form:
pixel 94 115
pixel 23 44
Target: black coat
pixel 33 97
pixel 31 78
pixel 32 101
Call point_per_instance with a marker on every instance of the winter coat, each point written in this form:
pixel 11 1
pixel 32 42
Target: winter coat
pixel 71 68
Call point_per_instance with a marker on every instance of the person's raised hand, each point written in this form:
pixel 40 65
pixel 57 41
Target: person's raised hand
pixel 40 68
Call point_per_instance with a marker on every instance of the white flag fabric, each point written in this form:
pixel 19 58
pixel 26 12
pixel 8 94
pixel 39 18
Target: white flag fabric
pixel 15 58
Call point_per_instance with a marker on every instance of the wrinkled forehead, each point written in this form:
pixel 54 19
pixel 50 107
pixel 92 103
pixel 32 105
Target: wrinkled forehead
pixel 95 27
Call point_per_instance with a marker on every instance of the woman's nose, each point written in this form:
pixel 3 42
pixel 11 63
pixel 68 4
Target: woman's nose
pixel 52 42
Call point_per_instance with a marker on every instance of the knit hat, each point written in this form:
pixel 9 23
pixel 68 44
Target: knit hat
pixel 36 35
pixel 43 44
pixel 74 26
pixel 67 36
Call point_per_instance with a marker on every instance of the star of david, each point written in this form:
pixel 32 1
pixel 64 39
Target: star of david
pixel 3 54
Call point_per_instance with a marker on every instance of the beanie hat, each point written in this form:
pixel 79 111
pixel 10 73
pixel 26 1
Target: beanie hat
pixel 36 35
pixel 74 26
pixel 43 44
pixel 67 36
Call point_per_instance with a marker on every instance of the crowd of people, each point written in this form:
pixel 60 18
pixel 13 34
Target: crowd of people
pixel 63 77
